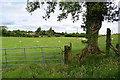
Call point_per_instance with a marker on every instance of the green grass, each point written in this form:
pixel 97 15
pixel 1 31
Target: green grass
pixel 14 42
pixel 105 68
pixel 92 66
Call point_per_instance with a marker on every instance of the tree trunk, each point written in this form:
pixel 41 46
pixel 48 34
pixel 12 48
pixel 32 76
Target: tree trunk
pixel 92 36
pixel 93 24
pixel 93 27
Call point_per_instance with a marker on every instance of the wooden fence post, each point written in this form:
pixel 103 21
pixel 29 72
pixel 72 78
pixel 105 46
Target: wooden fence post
pixel 66 54
pixel 70 53
pixel 108 40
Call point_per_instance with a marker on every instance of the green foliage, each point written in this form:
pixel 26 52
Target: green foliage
pixel 3 27
pixel 57 35
pixel 99 67
pixel 50 31
pixel 68 35
pixel 41 35
pixel 75 35
pixel 36 35
pixel 100 10
pixel 38 31
pixel 49 35
pixel 28 35
pixel 31 6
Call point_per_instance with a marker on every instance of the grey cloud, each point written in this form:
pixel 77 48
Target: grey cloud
pixel 60 27
pixel 24 20
pixel 29 27
pixel 7 23
pixel 54 27
pixel 76 27
pixel 46 26
pixel 22 27
pixel 13 1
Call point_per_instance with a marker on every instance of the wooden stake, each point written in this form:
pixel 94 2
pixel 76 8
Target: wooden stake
pixel 108 41
pixel 70 53
pixel 66 54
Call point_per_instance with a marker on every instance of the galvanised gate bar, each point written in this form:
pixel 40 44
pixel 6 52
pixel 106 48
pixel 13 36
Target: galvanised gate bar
pixel 27 52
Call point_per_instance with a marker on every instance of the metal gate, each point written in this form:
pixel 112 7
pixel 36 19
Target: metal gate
pixel 28 55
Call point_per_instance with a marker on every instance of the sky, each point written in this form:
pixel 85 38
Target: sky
pixel 14 15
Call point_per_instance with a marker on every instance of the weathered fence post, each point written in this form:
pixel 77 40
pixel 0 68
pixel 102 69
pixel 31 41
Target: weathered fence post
pixel 108 40
pixel 117 47
pixel 5 57
pixel 66 54
pixel 70 53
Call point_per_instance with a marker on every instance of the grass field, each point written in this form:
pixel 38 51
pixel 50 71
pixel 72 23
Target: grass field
pixel 92 66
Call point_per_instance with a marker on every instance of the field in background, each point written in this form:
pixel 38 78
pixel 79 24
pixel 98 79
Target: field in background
pixel 77 46
pixel 91 66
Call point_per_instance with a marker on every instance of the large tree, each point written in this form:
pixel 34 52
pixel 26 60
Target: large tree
pixel 50 31
pixel 93 15
pixel 38 30
pixel 4 30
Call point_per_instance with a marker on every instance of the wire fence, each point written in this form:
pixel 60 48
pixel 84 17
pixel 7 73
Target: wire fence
pixel 22 56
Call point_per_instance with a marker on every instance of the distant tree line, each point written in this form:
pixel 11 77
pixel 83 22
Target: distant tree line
pixel 38 33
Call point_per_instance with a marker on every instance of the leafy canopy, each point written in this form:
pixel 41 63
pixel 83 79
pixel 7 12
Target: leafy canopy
pixel 90 10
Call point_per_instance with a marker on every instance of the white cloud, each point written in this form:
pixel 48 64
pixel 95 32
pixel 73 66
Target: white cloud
pixel 113 26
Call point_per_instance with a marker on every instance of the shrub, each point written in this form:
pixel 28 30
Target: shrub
pixel 41 35
pixel 57 35
pixel 36 35
pixel 68 35
pixel 28 35
pixel 82 35
pixel 49 35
